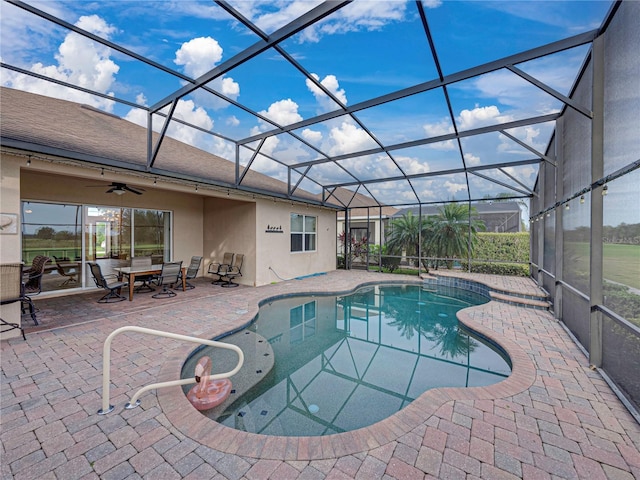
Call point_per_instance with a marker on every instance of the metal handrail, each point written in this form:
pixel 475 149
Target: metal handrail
pixel 106 408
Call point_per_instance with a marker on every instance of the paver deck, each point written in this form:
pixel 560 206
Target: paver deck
pixel 553 417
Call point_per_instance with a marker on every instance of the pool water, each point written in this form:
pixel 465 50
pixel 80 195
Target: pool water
pixel 319 365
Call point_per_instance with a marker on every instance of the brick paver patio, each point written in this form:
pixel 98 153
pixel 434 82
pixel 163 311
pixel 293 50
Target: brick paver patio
pixel 553 418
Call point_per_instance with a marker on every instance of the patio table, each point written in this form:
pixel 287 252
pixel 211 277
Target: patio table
pixel 131 273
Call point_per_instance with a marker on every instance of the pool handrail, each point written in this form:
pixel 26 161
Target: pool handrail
pixel 106 365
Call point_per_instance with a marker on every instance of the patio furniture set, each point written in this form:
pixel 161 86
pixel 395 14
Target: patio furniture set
pixel 144 276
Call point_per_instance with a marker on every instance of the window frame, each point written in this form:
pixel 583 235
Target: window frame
pixel 304 234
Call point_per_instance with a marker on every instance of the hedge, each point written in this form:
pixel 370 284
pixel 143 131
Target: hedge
pixel 510 248
pixel 504 247
pixel 512 269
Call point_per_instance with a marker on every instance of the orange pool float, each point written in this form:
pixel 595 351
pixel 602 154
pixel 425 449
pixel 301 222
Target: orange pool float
pixel 208 393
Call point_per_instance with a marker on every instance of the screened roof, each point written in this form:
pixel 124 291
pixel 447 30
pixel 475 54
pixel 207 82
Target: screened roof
pixel 395 102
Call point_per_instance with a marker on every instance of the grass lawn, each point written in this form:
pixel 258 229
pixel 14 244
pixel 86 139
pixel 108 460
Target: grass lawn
pixel 622 264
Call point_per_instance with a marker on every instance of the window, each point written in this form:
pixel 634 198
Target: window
pixel 302 322
pixel 72 235
pixel 303 233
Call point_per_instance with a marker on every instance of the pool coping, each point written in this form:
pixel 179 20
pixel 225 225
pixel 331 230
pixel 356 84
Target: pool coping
pixel 193 424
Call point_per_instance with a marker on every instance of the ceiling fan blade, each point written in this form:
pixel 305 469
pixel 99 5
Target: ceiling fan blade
pixel 137 190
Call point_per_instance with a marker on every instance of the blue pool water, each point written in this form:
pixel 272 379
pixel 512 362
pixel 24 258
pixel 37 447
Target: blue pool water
pixel 319 365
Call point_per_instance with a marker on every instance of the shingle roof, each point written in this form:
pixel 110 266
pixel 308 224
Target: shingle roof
pixel 51 126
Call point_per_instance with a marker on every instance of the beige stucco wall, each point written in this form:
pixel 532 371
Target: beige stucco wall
pixel 10 243
pixel 274 249
pixel 10 203
pixel 229 226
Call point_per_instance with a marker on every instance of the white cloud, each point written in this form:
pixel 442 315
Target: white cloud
pixel 269 146
pixel 263 14
pixel 198 56
pixel 393 192
pixel 271 15
pixel 526 174
pixel 330 82
pixel 412 165
pixel 283 112
pixel 529 134
pixel 185 110
pixel 454 188
pixel 363 16
pixel 230 88
pixel 471 159
pixel 443 127
pixel 138 116
pixel 312 136
pixel 348 138
pixel 81 62
pixel 481 116
pixel 233 121
pixel 223 149
pixel 141 99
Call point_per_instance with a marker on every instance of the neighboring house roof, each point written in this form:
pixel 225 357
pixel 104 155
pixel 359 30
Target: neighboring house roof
pixel 372 213
pixel 498 216
pixel 50 126
pixel 481 208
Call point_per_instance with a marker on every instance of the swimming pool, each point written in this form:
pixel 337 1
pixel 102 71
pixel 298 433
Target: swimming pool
pixel 319 365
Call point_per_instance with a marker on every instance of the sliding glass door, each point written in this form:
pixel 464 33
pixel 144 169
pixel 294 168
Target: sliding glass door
pixel 72 235
pixel 54 231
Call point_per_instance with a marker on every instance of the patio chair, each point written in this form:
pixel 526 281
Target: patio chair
pixel 113 288
pixel 33 275
pixel 143 262
pixel 192 271
pixel 12 291
pixel 235 270
pixel 220 268
pixel 167 278
pixel 67 271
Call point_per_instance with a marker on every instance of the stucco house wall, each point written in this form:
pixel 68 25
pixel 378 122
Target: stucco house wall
pixel 229 226
pixel 274 249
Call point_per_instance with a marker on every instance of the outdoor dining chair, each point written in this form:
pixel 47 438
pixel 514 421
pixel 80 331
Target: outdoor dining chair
pixel 192 271
pixel 33 275
pixel 69 271
pixel 143 262
pixel 167 278
pixel 12 291
pixel 220 268
pixel 235 270
pixel 113 288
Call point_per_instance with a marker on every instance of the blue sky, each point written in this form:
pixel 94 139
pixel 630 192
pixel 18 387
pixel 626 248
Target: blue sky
pixel 365 50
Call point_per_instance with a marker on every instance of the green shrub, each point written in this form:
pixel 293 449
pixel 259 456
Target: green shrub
pixel 390 263
pixel 511 269
pixel 504 247
pixel 622 301
pixel 397 271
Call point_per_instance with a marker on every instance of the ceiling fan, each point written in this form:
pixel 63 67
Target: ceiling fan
pixel 121 188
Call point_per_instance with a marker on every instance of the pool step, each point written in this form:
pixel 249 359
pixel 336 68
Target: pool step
pixel 518 301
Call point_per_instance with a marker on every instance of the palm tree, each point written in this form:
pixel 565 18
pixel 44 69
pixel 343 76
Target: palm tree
pixel 452 231
pixel 405 234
